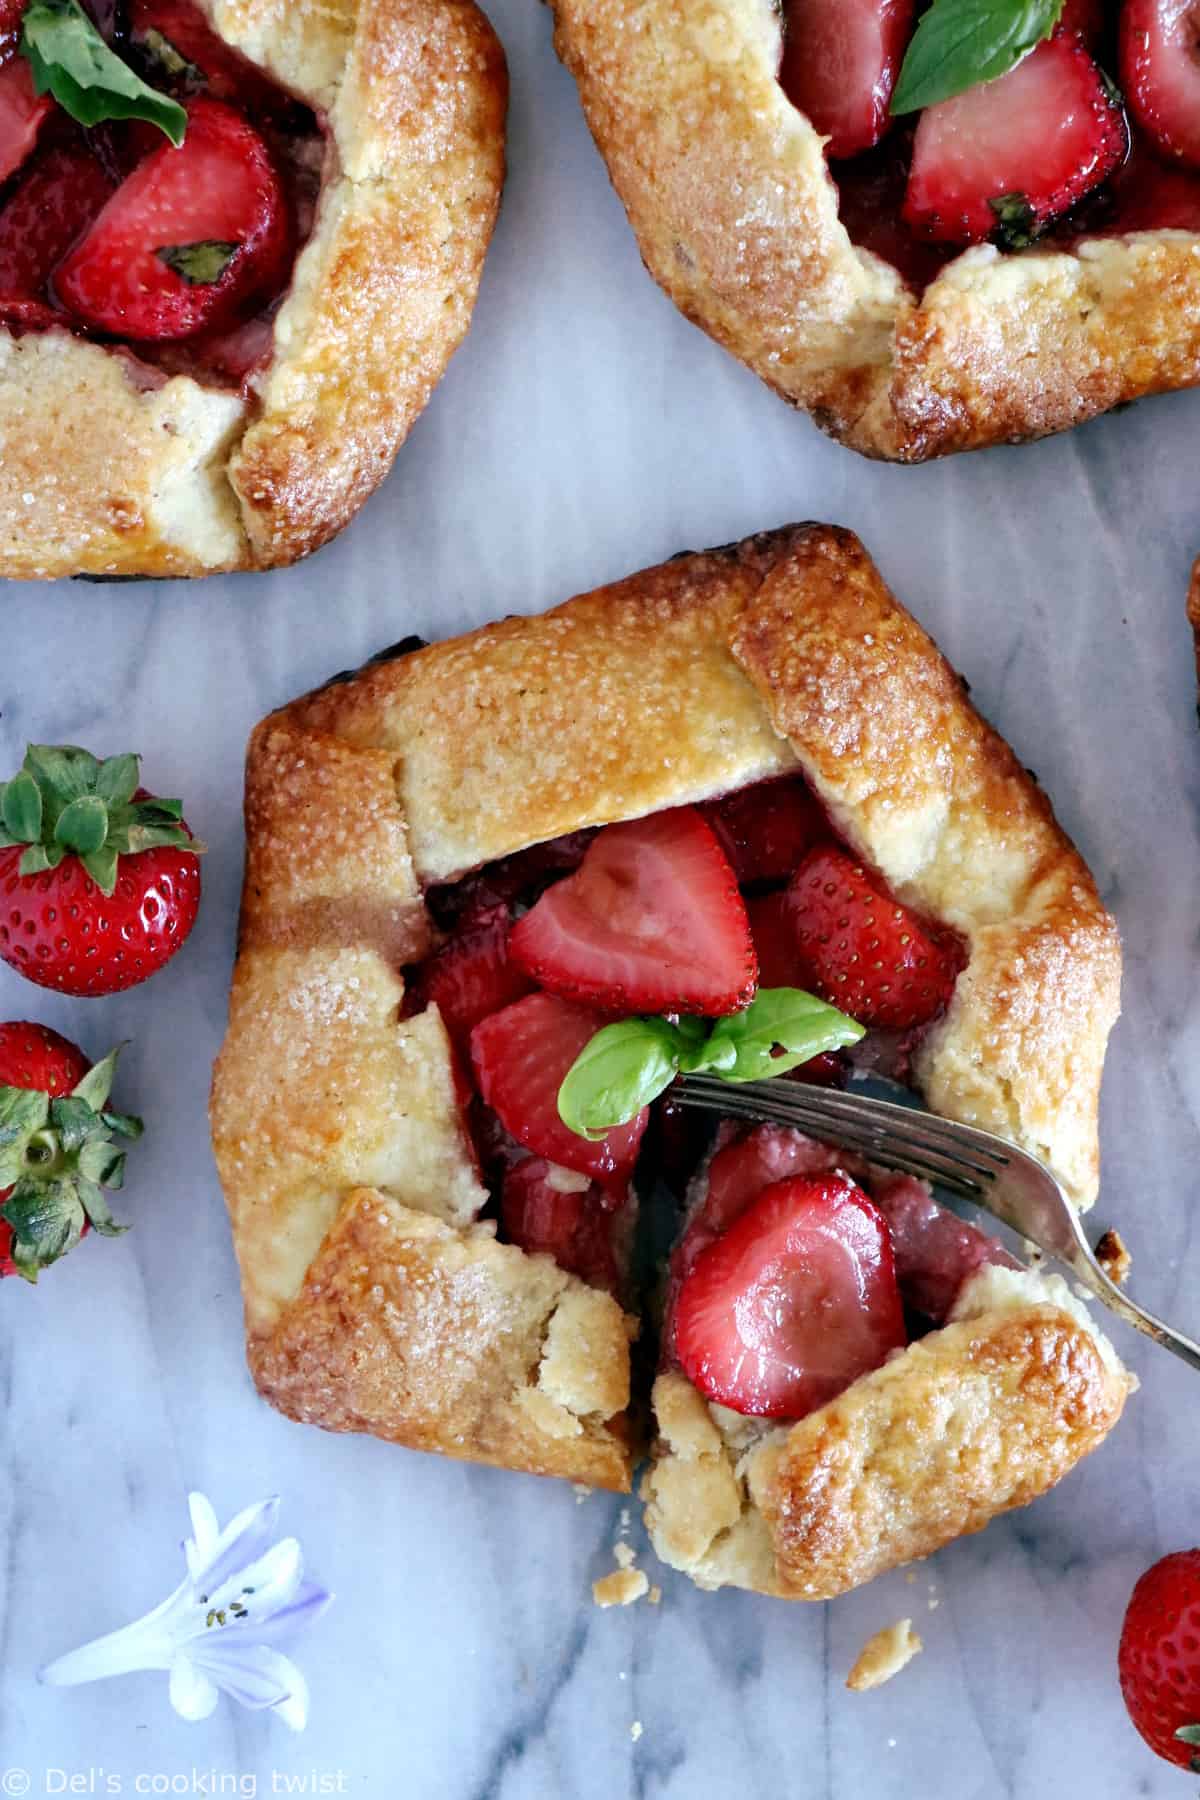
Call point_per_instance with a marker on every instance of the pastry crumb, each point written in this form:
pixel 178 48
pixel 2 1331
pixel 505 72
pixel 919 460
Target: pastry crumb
pixel 625 1554
pixel 1113 1257
pixel 883 1656
pixel 621 1588
pixel 635 1730
pixel 582 1492
pixel 655 1596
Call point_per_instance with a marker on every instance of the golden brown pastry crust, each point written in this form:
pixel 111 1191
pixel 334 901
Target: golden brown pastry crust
pixel 103 474
pixel 726 188
pixel 683 681
pixel 975 1419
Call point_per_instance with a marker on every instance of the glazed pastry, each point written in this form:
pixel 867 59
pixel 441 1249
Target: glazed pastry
pixel 463 859
pixel 210 353
pixel 868 267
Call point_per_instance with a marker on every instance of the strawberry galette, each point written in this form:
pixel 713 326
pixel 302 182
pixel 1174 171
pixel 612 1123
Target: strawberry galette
pixel 736 814
pixel 935 226
pixel 239 242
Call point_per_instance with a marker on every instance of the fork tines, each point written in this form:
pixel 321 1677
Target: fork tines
pixel 916 1143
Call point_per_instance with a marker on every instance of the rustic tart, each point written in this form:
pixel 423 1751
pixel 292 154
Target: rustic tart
pixel 239 242
pixel 635 813
pixel 926 249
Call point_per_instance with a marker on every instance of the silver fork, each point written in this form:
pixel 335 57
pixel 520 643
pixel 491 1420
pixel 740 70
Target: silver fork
pixel 1013 1186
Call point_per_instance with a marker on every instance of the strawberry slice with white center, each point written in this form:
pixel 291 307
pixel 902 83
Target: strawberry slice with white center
pixel 521 1056
pixel 864 952
pixel 765 829
pixel 188 238
pixel 542 1212
pixel 651 921
pixel 793 1303
pixel 936 1252
pixel 1012 154
pixel 1160 72
pixel 840 63
pixel 473 975
pixel 21 114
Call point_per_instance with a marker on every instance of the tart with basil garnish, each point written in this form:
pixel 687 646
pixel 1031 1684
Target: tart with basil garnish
pixel 208 356
pixel 934 228
pixel 736 814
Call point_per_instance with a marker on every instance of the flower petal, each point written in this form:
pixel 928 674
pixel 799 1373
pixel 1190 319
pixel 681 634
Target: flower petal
pixel 251 1674
pixel 289 1621
pixel 205 1532
pixel 263 1587
pixel 294 1710
pixel 243 1541
pixel 193 1695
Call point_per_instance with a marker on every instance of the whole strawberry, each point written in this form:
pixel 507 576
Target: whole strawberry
pixel 1159 1658
pixel 56 1149
pixel 99 881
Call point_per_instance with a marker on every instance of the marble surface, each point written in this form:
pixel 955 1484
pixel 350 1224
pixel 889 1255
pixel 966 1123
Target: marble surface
pixel 584 431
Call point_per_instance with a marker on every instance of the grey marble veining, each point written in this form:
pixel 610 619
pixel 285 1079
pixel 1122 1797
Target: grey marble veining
pixel 584 431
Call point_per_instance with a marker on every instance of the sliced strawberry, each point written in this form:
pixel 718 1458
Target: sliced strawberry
pixel 840 63
pixel 540 1211
pixel 793 1303
pixel 775 942
pixel 1160 72
pixel 179 48
pixel 1011 155
pixel 11 14
pixel 650 922
pixel 473 975
pixel 183 210
pixel 765 829
pixel 936 1252
pixel 53 205
pixel 521 1056
pixel 863 951
pixel 22 112
pixel 737 1175
pixel 1086 18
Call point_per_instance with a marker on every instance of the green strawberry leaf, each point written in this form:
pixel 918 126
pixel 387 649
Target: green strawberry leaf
pixel 123 1125
pixel 65 768
pixel 46 1218
pixel 960 43
pixel 116 780
pixel 96 1085
pixel 780 1029
pixel 201 264
pixel 83 825
pixel 96 1208
pixel 623 1068
pixel 1016 222
pixel 22 1111
pixel 1188 1734
pixel 71 60
pixel 101 865
pixel 101 1165
pixel 22 809
pixel 74 1121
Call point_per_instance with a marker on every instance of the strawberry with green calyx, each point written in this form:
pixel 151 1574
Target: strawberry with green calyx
pixel 1159 1658
pixel 100 880
pixel 57 1153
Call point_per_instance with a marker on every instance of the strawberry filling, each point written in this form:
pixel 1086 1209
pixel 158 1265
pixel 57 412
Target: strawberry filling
pixel 1047 150
pixel 110 231
pixel 686 912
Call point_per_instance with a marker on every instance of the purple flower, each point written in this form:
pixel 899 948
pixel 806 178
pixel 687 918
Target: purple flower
pixel 222 1629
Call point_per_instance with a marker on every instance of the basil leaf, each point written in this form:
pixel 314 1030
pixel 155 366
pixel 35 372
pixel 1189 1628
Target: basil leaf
pixel 619 1071
pixel 960 43
pixel 779 1018
pixel 202 264
pixel 71 60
